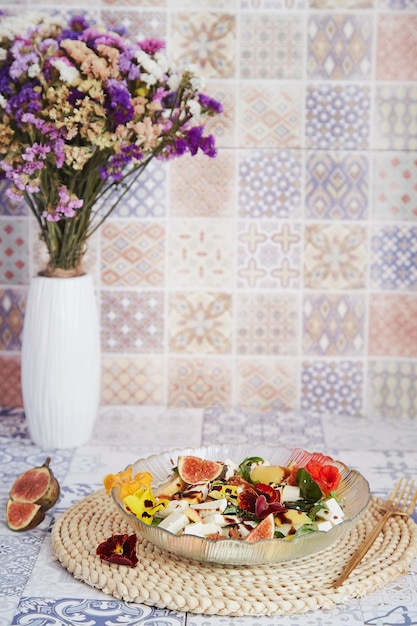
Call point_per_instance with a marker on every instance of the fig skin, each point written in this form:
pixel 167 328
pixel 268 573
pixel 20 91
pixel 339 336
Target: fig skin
pixel 21 489
pixel 35 515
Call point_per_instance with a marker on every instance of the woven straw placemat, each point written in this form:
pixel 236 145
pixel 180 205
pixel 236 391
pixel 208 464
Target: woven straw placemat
pixel 171 582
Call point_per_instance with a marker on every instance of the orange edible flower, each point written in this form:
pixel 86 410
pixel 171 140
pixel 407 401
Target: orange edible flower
pixel 128 485
pixel 327 477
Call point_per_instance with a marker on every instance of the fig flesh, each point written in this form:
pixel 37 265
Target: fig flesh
pixel 194 470
pixel 264 530
pixel 23 515
pixel 37 485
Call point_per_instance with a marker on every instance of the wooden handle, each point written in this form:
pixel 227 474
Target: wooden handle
pixel 357 556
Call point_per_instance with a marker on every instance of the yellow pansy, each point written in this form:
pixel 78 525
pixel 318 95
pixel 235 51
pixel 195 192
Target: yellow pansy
pixel 143 504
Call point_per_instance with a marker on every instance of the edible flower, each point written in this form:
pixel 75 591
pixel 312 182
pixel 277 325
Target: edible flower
pixel 128 485
pixel 327 477
pixel 119 549
pixel 144 505
pixel 261 500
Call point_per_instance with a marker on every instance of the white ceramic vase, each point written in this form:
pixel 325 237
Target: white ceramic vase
pixel 61 361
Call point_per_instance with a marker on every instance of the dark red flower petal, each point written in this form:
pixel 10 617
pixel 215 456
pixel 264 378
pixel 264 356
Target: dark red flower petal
pixel 119 549
pixel 271 494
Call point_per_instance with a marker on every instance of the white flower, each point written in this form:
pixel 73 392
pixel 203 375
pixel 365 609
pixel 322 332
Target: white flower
pixel 68 73
pixel 149 65
pixel 196 79
pixel 148 79
pixel 194 108
pixel 33 70
pixel 173 82
pixel 3 101
pixel 3 54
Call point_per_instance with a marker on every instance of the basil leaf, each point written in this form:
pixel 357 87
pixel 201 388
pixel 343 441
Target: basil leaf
pixel 309 489
pixel 245 466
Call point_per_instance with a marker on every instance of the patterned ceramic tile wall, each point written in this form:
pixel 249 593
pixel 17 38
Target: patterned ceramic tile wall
pixel 283 274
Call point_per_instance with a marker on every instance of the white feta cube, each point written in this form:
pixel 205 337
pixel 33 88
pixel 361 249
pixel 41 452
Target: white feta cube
pixel 175 522
pixel 290 493
pixel 324 526
pixel 202 529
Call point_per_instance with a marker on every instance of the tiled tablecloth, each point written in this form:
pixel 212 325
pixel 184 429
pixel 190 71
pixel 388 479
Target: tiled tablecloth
pixel 35 589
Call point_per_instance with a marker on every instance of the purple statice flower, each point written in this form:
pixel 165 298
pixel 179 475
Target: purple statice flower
pixel 197 141
pixel 210 103
pixel 118 103
pixel 23 58
pixel 127 65
pixel 5 82
pixel 27 100
pixel 52 136
pixel 48 44
pixel 74 95
pixel 66 207
pixel 152 45
pixel 77 25
pixel 118 162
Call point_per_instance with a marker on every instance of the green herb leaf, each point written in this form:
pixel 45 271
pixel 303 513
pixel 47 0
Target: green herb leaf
pixel 309 489
pixel 245 466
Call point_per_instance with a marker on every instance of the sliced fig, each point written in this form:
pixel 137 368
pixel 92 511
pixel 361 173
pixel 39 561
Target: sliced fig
pixel 37 485
pixel 23 515
pixel 264 530
pixel 194 470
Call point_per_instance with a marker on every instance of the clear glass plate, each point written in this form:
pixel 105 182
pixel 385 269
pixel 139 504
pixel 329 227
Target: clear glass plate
pixel 353 491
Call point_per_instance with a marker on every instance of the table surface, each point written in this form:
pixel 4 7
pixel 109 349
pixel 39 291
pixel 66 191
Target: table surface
pixel 35 589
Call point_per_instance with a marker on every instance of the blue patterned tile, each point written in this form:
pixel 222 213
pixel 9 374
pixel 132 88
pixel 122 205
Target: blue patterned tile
pixel 270 184
pixel 334 387
pixel 337 186
pixel 275 428
pixel 337 117
pixel 12 308
pixel 146 197
pixel 9 206
pixel 18 554
pixel 394 257
pixel 92 612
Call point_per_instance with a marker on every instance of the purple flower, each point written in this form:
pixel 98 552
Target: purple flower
pixel 117 162
pixel 127 65
pixel 27 100
pixel 118 103
pixel 77 25
pixel 24 57
pixel 152 45
pixel 66 206
pixel 210 103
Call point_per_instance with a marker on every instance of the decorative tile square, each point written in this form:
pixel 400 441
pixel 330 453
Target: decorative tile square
pixel 138 24
pixel 132 321
pixel 396 117
pixel 270 183
pixel 335 256
pixel 334 325
pixel 271 46
pixel 337 186
pixel 266 385
pixel 92 611
pixel 205 39
pixel 9 206
pixel 333 387
pixel 397 47
pixel 395 186
pixel 337 117
pixel 12 310
pixel 14 251
pixel 273 4
pixel 392 325
pixel 339 46
pixel 200 253
pixel 392 389
pixel 222 126
pixel 200 322
pixel 269 254
pixel 132 380
pixel 10 389
pixel 398 5
pixel 132 253
pixel 199 382
pixel 335 4
pixel 203 187
pixel 136 3
pixel 394 257
pixel 267 323
pixel 270 115
pixel 288 428
pixel 17 558
pixel 146 197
